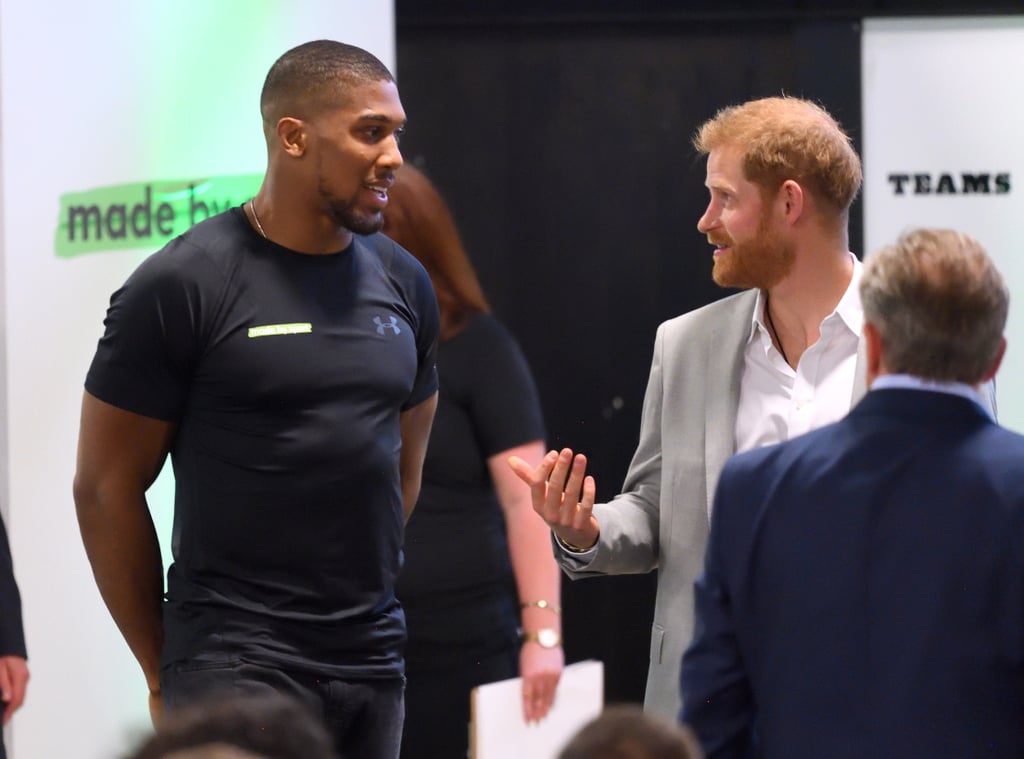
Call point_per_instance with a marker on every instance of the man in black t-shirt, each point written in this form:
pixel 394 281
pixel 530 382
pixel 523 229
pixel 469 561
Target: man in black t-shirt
pixel 282 353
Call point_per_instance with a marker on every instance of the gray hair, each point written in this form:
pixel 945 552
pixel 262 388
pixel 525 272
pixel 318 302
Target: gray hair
pixel 939 305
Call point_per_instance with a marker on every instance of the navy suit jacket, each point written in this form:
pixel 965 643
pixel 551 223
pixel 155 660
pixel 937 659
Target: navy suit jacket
pixel 12 635
pixel 863 591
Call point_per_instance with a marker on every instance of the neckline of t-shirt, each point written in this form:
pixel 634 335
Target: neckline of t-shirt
pixel 269 244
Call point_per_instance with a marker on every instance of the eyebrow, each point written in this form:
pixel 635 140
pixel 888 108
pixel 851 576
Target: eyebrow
pixel 383 118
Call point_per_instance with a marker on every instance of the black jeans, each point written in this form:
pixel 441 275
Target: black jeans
pixel 437 702
pixel 364 716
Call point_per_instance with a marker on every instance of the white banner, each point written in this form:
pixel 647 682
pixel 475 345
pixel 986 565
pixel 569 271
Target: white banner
pixel 943 113
pixel 121 123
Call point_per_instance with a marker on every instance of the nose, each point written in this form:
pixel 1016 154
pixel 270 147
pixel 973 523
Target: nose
pixel 709 220
pixel 391 156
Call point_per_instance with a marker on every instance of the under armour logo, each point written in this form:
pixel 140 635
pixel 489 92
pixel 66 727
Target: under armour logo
pixel 381 326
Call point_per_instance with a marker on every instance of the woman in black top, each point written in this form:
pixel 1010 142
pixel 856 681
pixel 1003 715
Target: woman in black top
pixel 478 561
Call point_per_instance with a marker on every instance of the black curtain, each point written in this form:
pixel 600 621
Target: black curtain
pixel 564 151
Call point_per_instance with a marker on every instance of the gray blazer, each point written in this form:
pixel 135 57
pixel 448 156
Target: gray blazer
pixel 687 431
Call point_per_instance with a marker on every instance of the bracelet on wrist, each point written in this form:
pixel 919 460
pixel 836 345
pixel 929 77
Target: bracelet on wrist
pixel 573 548
pixel 545 637
pixel 541 604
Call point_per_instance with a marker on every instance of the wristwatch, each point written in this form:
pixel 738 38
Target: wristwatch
pixel 545 637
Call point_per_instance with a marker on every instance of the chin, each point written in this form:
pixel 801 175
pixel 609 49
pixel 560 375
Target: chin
pixel 362 225
pixel 367 228
pixel 726 276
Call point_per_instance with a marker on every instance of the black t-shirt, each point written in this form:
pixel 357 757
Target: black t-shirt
pixel 457 584
pixel 286 374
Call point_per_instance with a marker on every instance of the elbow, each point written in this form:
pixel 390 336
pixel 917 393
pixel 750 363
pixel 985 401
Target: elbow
pixel 80 489
pixel 86 493
pixel 82 492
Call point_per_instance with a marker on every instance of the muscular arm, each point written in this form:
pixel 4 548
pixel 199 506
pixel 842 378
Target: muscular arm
pixel 119 456
pixel 537 578
pixel 415 429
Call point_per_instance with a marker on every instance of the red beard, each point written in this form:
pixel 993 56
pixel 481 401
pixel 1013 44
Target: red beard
pixel 760 262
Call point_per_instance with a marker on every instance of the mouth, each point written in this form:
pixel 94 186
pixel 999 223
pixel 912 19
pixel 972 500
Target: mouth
pixel 721 246
pixel 379 189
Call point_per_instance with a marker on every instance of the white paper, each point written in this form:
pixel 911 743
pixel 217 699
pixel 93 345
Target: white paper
pixel 498 730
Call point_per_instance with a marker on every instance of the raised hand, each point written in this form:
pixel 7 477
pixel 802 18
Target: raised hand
pixel 563 495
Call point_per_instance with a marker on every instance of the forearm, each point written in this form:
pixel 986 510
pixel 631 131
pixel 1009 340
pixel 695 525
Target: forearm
pixel 537 576
pixel 121 544
pixel 410 494
pixel 415 429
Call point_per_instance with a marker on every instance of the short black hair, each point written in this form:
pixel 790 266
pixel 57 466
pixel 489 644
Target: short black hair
pixel 270 726
pixel 317 75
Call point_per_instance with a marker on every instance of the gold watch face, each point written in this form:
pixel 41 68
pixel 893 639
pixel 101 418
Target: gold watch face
pixel 548 637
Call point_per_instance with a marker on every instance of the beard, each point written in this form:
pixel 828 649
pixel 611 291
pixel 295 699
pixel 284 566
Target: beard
pixel 346 214
pixel 361 223
pixel 761 262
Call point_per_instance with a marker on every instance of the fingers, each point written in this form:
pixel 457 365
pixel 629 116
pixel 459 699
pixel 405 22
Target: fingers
pixel 562 492
pixel 571 496
pixel 13 682
pixel 582 516
pixel 541 670
pixel 535 477
pixel 17 698
pixel 523 470
pixel 5 680
pixel 539 695
pixel 567 485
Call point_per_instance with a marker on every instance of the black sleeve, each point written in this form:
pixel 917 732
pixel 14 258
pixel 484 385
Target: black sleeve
pixel 12 634
pixel 501 393
pixel 428 324
pixel 417 291
pixel 144 361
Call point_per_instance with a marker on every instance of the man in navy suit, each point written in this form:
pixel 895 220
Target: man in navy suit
pixel 863 590
pixel 13 671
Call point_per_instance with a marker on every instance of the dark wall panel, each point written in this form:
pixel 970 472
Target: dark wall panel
pixel 564 152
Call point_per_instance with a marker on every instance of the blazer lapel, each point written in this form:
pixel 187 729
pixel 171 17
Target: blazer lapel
pixel 724 352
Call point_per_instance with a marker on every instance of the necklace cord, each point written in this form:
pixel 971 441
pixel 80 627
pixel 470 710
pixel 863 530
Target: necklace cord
pixel 767 314
pixel 259 227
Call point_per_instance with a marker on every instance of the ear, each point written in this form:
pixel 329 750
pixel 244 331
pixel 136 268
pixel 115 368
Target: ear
pixel 996 363
pixel 873 350
pixel 292 134
pixel 791 200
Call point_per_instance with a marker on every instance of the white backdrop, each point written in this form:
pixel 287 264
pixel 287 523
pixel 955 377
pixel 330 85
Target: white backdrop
pixel 944 98
pixel 94 95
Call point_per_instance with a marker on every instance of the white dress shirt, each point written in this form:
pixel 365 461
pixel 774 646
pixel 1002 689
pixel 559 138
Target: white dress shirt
pixel 778 402
pixel 910 382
